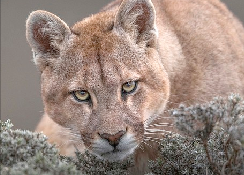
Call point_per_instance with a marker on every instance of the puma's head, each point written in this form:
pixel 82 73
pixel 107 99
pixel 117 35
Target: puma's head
pixel 103 77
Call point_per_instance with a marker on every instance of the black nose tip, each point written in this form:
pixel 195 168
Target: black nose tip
pixel 113 139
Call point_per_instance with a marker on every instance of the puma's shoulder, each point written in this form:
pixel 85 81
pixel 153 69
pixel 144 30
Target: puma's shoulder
pixel 62 137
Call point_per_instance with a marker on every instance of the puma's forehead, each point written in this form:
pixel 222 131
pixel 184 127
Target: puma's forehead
pixel 100 24
pixel 96 76
pixel 94 56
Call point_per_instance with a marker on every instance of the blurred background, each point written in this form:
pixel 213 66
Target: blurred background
pixel 20 80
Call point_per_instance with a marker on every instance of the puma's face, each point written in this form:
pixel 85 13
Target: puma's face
pixel 103 78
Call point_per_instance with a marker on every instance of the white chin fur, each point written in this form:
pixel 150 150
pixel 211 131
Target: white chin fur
pixel 103 150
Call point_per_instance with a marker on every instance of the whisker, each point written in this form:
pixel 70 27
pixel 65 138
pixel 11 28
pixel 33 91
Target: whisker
pixel 161 124
pixel 154 139
pixel 153 131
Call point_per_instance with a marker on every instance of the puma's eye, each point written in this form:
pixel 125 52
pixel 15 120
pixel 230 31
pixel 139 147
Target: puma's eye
pixel 129 87
pixel 81 95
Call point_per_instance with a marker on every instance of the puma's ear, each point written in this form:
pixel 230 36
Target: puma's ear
pixel 138 19
pixel 45 33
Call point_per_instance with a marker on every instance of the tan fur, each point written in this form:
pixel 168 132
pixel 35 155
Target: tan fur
pixel 183 51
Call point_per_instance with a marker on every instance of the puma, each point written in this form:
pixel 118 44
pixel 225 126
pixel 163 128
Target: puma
pixel 107 78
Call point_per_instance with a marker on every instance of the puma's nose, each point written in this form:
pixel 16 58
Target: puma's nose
pixel 113 139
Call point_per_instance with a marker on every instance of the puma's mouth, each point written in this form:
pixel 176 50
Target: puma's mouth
pixel 104 150
pixel 116 154
pixel 114 151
